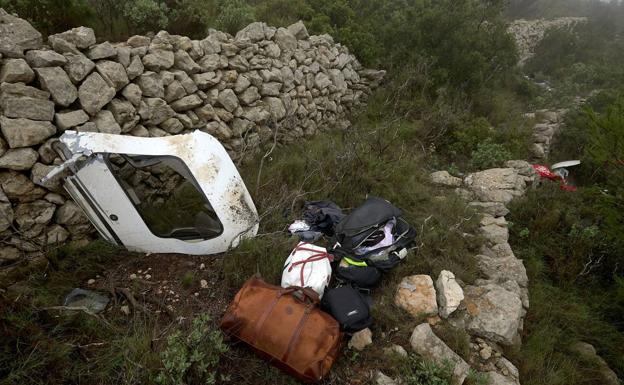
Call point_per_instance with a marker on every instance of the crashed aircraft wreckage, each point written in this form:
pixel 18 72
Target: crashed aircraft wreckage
pixel 205 208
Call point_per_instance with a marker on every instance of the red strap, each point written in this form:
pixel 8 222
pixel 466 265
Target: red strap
pixel 318 256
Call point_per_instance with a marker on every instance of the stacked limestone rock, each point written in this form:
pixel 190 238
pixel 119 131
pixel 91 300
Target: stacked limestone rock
pixel 528 33
pixel 263 83
pixel 548 124
pixel 493 308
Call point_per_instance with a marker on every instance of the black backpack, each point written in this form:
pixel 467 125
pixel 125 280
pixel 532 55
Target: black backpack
pixel 349 307
pixel 358 274
pixel 366 223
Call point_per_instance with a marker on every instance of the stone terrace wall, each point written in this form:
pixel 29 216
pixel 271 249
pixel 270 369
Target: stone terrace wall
pixel 245 90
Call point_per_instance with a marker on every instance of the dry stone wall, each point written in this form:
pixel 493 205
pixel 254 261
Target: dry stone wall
pixel 263 84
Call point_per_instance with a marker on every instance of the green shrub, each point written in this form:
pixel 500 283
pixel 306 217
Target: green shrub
pixel 51 16
pixel 489 154
pixel 191 357
pixel 146 15
pixel 234 15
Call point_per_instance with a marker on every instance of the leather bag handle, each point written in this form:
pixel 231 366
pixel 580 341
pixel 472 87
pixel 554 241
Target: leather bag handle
pixel 306 294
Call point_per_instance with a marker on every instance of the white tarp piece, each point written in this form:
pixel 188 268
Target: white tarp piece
pixel 174 194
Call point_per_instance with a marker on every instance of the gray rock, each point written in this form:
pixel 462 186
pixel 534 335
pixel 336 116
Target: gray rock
pixel 18 90
pixel 87 127
pixel 18 32
pixel 382 379
pixel 322 81
pixel 157 111
pixel 174 91
pixel 184 62
pixel 62 46
pixel 445 179
pixel 210 63
pixel 57 199
pixel 25 132
pixel 429 346
pixel 242 83
pixel 81 37
pixel 449 293
pixel 46 154
pixel 172 126
pixel 270 89
pixel 69 119
pixel 41 58
pixel 361 339
pixel 254 32
pixel 588 353
pixel 494 313
pixel 70 214
pixel 95 93
pixel 276 108
pixel 40 170
pixel 249 96
pixel 29 108
pixel 219 130
pixel 495 209
pixel 16 70
pixel 101 51
pixel 206 80
pixel 187 103
pixel 495 234
pixel 33 217
pixel 500 270
pixel 56 235
pixel 125 114
pixel 56 81
pixel 140 130
pixel 135 68
pixel 133 94
pixel 299 30
pixel 124 55
pixel 495 378
pixel 139 41
pixel 78 66
pixel 158 60
pixel 285 40
pixel 113 73
pixel 6 219
pixel 395 349
pixel 19 159
pixel 211 45
pixel 151 85
pixel 227 98
pixel 18 188
pixel 106 123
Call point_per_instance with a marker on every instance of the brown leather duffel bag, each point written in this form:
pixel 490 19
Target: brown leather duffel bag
pixel 286 327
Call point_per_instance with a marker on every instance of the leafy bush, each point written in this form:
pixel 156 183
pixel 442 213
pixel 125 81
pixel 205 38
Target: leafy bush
pixel 191 357
pixel 51 16
pixel 234 15
pixel 146 15
pixel 489 154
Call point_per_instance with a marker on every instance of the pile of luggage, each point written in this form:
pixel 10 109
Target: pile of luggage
pixel 299 326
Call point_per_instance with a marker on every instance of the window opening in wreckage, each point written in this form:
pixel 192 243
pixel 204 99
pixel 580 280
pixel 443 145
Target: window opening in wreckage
pixel 166 196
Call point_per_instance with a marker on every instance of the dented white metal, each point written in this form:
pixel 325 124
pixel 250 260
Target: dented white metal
pixel 94 187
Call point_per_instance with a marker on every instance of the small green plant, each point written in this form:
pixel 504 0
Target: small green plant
pixel 187 279
pixel 489 154
pixel 191 357
pixel 428 373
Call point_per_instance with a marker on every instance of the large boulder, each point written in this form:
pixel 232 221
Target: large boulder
pixel 428 345
pixel 113 73
pixel 416 295
pixel 443 178
pixel 56 81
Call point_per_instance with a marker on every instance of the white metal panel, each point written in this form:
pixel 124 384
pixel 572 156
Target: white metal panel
pixel 208 162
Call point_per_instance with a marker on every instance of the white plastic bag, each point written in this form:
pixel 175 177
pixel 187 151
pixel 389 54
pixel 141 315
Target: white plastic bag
pixel 308 266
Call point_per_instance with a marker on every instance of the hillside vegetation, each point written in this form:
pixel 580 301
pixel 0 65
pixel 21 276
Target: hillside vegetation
pixel 454 100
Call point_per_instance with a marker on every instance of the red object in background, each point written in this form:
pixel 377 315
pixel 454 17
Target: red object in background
pixel 545 173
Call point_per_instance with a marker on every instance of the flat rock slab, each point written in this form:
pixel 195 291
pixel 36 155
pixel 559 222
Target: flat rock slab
pixel 25 132
pixel 428 345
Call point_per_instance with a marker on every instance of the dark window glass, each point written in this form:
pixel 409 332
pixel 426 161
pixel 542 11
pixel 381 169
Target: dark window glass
pixel 166 196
